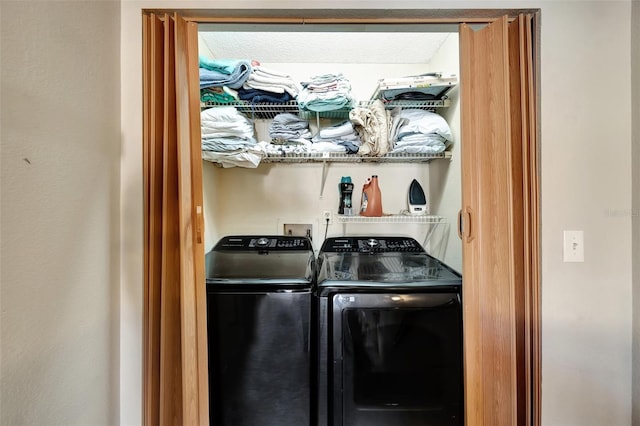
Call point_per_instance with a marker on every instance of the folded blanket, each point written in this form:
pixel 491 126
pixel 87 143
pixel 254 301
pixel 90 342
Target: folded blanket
pixel 261 96
pixel 224 144
pixel 286 126
pixel 288 120
pixel 327 92
pixel 272 81
pixel 219 95
pixel 249 158
pixel 341 129
pixel 327 147
pixel 334 103
pixel 354 138
pixel 225 122
pixel 427 146
pixel 223 66
pixel 233 74
pixel 421 121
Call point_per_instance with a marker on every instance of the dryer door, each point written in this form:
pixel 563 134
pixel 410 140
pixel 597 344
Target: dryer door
pixel 397 359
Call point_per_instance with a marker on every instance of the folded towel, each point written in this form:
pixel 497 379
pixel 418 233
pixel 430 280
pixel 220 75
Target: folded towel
pixel 217 94
pixel 261 96
pixel 219 76
pixel 223 66
pixel 272 81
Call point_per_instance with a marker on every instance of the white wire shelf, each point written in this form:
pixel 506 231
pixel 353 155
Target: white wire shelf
pixel 390 218
pixel 439 103
pixel 352 158
pixel 270 110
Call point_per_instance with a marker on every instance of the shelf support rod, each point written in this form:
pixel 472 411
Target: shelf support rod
pixel 432 228
pixel 324 177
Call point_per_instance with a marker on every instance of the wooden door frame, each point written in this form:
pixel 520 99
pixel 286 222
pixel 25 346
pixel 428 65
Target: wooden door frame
pixel 433 17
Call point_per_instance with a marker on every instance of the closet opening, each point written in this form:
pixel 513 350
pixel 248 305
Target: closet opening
pixel 497 150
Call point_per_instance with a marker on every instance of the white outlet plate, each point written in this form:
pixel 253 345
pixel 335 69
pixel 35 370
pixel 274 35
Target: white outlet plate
pixel 573 243
pixel 327 214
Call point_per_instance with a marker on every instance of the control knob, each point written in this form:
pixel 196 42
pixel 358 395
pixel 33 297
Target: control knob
pixel 262 241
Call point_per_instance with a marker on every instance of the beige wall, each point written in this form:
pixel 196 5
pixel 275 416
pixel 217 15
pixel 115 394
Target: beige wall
pixel 60 188
pixel 586 184
pixel 635 96
pixel 445 177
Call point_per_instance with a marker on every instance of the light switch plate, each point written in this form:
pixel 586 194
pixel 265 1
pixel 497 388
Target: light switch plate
pixel 573 246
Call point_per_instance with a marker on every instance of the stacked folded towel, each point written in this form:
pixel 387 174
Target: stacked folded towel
pixel 327 92
pixel 415 131
pixel 273 81
pixel 225 129
pixel 223 72
pixel 289 127
pixel 256 96
pixel 218 94
pixel 327 147
pixel 228 138
pixel 343 134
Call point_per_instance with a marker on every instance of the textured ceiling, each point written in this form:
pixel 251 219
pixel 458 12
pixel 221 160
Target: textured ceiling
pixel 323 47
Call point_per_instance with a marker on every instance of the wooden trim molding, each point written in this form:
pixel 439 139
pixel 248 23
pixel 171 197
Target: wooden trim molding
pixel 346 16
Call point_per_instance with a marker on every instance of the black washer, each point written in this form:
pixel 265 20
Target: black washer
pixel 259 311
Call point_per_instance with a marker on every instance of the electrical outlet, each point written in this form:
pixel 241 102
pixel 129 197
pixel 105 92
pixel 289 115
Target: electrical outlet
pixel 327 215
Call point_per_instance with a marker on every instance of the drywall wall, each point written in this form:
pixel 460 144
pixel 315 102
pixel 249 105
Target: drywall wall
pixel 260 201
pixel 635 210
pixel 60 185
pixel 445 177
pixel 586 184
pixel 586 307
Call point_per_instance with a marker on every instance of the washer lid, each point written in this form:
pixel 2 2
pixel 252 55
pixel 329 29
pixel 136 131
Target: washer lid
pixel 384 269
pixel 261 260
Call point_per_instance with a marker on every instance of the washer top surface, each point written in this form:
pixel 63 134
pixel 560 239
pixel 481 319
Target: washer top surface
pixel 257 259
pixel 380 262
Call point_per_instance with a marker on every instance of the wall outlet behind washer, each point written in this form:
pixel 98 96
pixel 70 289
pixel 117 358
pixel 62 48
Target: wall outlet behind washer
pixel 298 229
pixel 327 217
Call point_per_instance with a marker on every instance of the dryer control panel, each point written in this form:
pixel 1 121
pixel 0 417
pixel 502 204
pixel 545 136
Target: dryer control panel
pixel 371 245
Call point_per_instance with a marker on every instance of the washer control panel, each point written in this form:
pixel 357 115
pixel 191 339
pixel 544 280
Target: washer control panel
pixel 266 242
pixel 371 245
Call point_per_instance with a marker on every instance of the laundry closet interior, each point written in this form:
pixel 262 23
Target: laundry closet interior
pixel 304 190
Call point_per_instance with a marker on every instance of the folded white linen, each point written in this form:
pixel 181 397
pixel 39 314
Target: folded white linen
pixel 421 121
pixel 327 147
